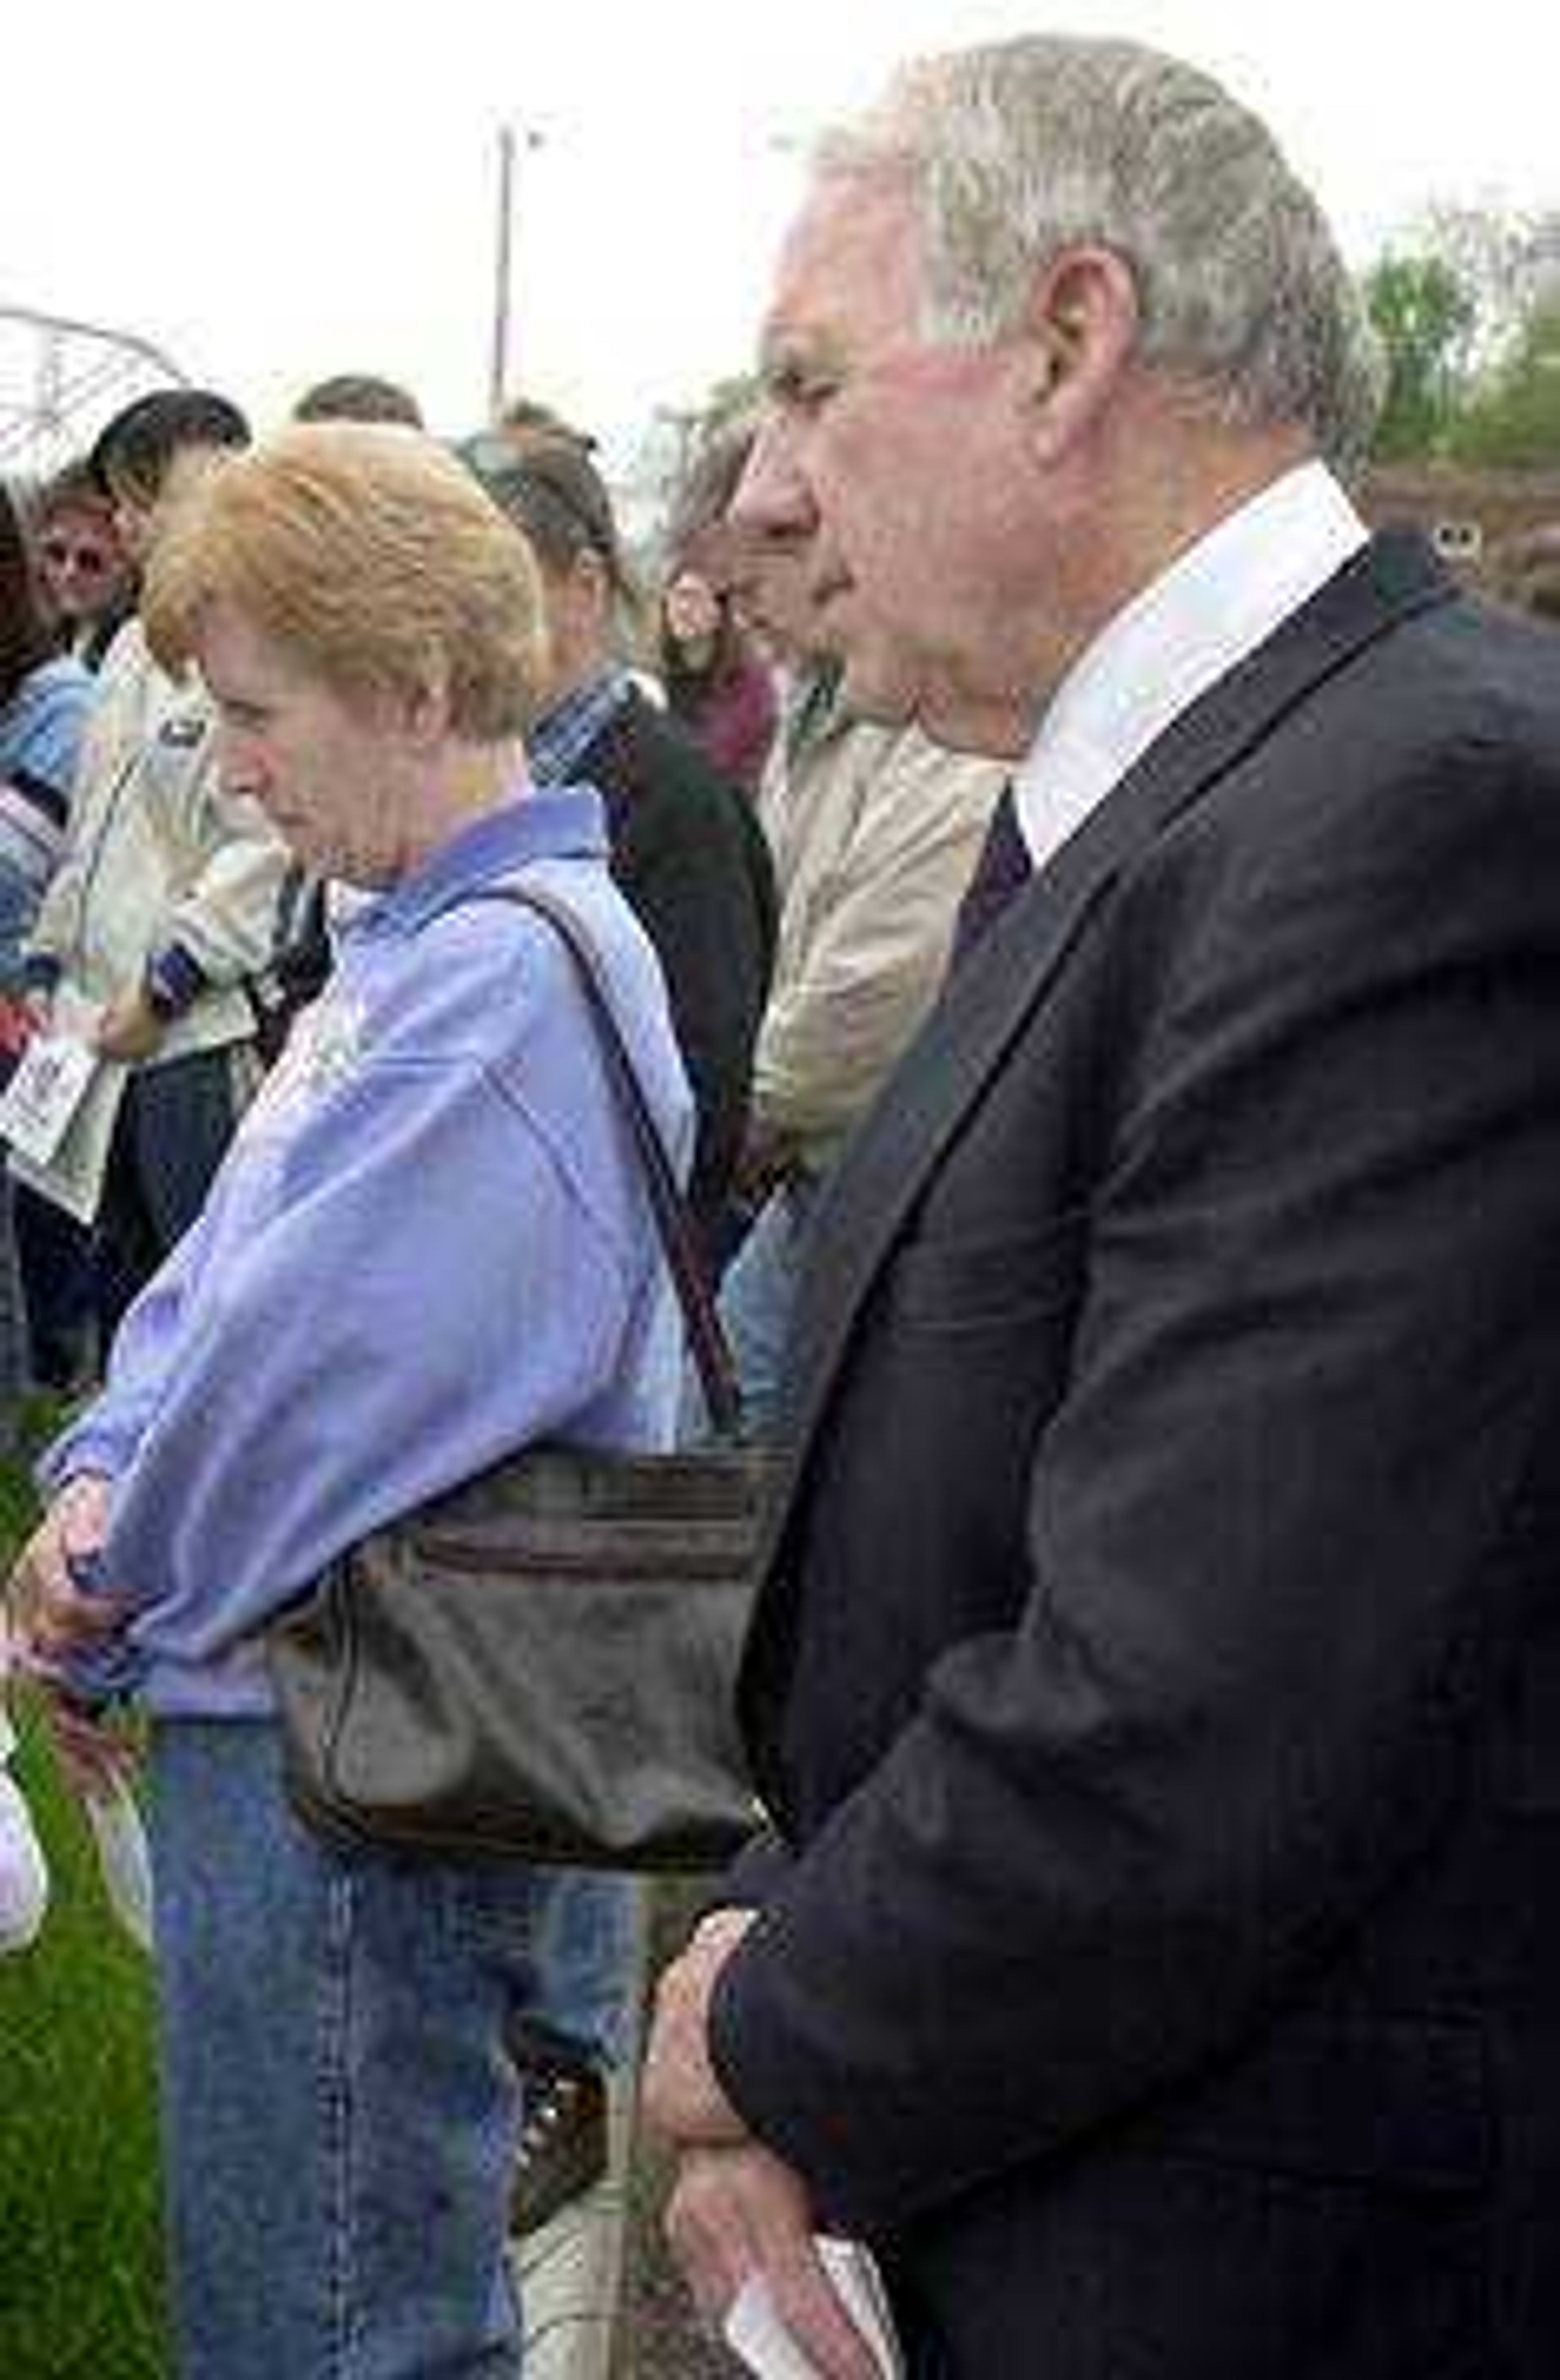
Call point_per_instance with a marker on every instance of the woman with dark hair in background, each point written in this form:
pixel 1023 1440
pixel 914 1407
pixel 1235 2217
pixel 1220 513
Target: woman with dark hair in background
pixel 717 686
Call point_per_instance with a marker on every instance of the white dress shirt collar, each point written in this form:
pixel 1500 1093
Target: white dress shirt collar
pixel 1187 628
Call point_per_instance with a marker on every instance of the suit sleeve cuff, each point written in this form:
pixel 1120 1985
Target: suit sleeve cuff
pixel 791 2099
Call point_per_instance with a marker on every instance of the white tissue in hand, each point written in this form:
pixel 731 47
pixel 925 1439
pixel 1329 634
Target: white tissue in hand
pixel 123 1860
pixel 24 1876
pixel 754 2332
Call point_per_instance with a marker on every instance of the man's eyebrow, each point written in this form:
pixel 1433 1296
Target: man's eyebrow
pixel 786 357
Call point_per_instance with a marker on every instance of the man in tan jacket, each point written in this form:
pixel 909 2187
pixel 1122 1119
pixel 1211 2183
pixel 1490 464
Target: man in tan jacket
pixel 874 832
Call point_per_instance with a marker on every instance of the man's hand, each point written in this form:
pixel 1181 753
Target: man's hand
pixel 735 2212
pixel 682 2099
pixel 129 1027
pixel 53 1615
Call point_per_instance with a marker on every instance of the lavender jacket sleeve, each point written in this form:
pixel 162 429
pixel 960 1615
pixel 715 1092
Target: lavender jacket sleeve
pixel 406 1271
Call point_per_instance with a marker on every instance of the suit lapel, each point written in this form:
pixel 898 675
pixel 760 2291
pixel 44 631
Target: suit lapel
pixel 1005 978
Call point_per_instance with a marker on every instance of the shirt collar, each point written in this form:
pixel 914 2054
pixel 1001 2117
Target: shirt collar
pixel 562 735
pixel 536 822
pixel 1190 627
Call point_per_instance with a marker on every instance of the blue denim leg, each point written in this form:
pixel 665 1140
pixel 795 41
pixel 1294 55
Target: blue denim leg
pixel 582 1991
pixel 338 2111
pixel 757 1296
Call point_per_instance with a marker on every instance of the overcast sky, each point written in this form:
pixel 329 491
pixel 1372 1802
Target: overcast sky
pixel 274 192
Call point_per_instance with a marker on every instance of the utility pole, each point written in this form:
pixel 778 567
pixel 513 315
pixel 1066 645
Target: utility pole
pixel 498 374
pixel 498 377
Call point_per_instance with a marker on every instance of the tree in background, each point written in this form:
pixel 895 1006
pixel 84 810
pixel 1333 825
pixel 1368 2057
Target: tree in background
pixel 1468 311
pixel 1511 418
pixel 1425 319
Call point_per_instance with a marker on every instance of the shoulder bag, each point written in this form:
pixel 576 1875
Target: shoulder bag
pixel 540 1665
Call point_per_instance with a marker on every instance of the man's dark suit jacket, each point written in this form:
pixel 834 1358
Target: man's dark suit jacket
pixel 1156 1674
pixel 690 858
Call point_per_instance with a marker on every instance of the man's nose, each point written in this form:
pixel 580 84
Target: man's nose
pixel 773 497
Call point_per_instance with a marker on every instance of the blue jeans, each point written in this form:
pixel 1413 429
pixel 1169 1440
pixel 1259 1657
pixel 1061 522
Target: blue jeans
pixel 757 1295
pixel 338 2112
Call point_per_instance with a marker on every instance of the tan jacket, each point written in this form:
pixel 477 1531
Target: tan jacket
pixel 158 855
pixel 874 832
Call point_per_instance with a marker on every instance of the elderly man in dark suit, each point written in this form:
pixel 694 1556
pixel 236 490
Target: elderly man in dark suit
pixel 1156 1683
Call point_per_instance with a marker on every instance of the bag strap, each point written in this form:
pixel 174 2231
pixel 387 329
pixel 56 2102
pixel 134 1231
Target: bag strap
pixel 675 1228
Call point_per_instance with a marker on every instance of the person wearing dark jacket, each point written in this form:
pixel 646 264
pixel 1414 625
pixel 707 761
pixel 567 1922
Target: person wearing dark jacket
pixel 1154 1680
pixel 686 850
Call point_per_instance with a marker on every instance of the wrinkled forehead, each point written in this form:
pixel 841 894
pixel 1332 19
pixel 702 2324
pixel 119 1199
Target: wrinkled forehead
pixel 850 270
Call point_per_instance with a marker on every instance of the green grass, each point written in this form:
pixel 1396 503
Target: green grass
pixel 81 2255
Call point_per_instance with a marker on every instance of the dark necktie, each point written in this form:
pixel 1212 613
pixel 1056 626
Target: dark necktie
pixel 1002 869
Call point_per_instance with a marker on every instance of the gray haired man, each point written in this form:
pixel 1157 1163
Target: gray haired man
pixel 1154 1681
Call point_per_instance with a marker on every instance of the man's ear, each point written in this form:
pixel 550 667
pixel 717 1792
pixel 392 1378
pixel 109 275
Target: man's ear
pixel 1079 334
pixel 594 580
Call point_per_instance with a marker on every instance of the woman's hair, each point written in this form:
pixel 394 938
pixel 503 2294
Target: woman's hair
pixel 1017 150
pixel 372 555
pixel 696 521
pixel 550 488
pixel 73 489
pixel 25 637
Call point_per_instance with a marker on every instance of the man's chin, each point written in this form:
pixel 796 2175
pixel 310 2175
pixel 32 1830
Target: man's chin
pixel 986 722
pixel 872 688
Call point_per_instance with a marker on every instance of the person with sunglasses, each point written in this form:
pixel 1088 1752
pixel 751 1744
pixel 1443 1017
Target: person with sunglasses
pixel 86 579
pixel 164 907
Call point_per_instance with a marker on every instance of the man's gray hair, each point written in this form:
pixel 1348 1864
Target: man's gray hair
pixel 1016 150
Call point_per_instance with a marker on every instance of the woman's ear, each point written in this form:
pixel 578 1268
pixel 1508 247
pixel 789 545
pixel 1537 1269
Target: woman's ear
pixel 426 712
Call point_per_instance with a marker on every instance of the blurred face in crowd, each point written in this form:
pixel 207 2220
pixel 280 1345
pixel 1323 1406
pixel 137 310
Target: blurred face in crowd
pixel 82 564
pixel 893 468
pixel 336 779
pixel 693 609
